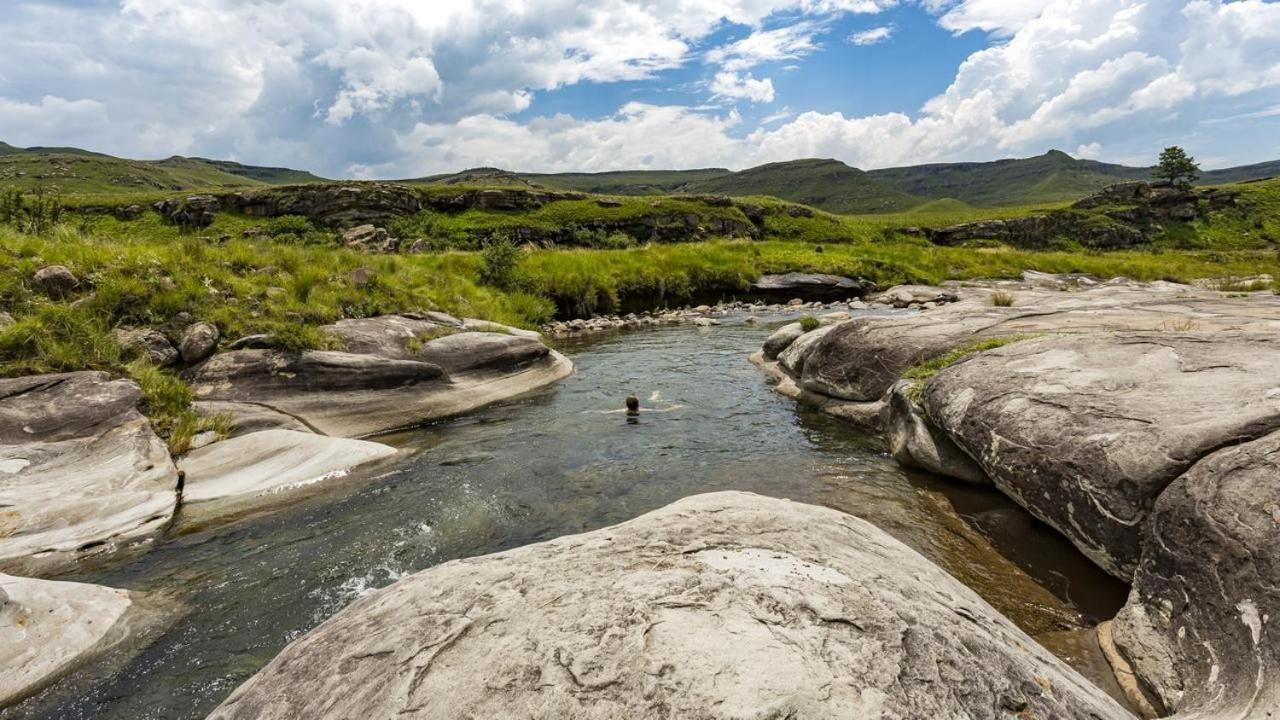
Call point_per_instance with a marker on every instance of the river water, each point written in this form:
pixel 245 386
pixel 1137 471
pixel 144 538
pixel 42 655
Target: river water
pixel 550 464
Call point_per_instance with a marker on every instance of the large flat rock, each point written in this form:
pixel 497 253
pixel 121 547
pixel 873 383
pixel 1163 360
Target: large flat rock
pixel 1199 627
pixel 861 359
pixel 1086 431
pixel 49 629
pixel 349 394
pixel 388 336
pixel 81 472
pixel 726 605
pixel 250 470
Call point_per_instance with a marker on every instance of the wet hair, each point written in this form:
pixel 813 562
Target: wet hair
pixel 633 404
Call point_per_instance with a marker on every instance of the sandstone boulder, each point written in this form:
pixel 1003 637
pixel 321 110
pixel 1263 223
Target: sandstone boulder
pixel 48 629
pixel 56 281
pixel 250 471
pixel 792 359
pixel 1086 431
pixel 811 286
pixel 148 343
pixel 727 605
pixel 333 204
pixel 781 339
pixel 389 336
pixel 198 342
pixel 192 211
pixel 1200 625
pixel 81 472
pixel 915 442
pixel 248 417
pixel 482 351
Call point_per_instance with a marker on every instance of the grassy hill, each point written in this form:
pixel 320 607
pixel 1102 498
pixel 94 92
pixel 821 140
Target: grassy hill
pixel 635 182
pixel 827 184
pixel 71 170
pixel 1241 174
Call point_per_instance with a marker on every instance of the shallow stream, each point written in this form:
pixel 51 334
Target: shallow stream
pixel 554 463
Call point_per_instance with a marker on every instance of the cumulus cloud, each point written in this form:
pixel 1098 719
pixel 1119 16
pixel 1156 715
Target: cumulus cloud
pixel 872 36
pixel 1091 151
pixel 402 87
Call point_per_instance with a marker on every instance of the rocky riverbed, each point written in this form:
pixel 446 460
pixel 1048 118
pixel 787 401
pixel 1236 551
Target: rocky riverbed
pixel 1138 419
pixel 84 479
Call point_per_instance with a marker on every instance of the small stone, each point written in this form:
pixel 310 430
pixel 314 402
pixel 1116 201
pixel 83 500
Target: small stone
pixel 5 320
pixel 148 343
pixel 56 281
pixel 362 276
pixel 198 342
pixel 795 302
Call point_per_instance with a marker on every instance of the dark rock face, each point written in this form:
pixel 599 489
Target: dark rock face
pixel 56 281
pixel 336 205
pixel 499 199
pixel 475 351
pixel 811 286
pixel 148 343
pixel 192 211
pixel 726 605
pixel 253 375
pixel 1200 625
pixel 198 342
pixel 1086 431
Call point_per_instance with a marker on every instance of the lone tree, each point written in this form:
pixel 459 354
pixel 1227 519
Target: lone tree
pixel 1176 166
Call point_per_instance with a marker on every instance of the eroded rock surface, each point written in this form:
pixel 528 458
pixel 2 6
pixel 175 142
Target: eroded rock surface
pixel 48 629
pixel 1200 625
pixel 81 471
pixel 245 470
pixel 1086 431
pixel 726 605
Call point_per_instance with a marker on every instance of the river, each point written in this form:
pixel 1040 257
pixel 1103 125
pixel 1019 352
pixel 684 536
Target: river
pixel 550 464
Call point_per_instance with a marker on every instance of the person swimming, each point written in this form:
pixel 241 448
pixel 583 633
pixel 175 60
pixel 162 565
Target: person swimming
pixel 633 404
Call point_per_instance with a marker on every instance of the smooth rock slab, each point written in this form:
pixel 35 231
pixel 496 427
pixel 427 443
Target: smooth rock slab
pixel 48 629
pixel 245 470
pixel 1086 431
pixel 81 472
pixel 727 605
pixel 1200 624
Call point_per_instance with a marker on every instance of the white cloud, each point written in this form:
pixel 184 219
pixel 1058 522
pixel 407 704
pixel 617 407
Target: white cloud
pixel 790 42
pixel 1003 17
pixel 1091 151
pixel 872 36
pixel 736 86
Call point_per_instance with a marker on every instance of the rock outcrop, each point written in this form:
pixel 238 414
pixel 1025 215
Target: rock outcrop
pixel 249 470
pixel 390 377
pixel 341 205
pixel 1200 625
pixel 49 629
pixel 1086 431
pixel 81 472
pixel 727 605
pixel 811 286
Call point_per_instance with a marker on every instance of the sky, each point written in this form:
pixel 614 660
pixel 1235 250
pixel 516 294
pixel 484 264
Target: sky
pixel 405 88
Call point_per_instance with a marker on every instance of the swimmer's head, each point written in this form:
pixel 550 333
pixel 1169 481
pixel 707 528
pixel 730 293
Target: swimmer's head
pixel 633 404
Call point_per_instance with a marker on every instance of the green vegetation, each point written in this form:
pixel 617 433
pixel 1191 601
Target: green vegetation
pixel 498 263
pixel 416 343
pixel 827 184
pixel 70 170
pixel 924 371
pixel 1177 167
pixel 809 323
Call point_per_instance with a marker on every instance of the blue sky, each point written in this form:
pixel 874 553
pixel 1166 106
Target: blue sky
pixel 398 88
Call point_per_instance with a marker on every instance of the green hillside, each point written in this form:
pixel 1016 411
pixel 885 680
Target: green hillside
pixel 634 182
pixel 1241 174
pixel 71 170
pixel 827 184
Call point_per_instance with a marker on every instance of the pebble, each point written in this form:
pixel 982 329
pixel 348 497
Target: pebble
pixel 702 316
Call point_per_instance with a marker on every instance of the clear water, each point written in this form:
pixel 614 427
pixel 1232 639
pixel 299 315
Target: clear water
pixel 550 464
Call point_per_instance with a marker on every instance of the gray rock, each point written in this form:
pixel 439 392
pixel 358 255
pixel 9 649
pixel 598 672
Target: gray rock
pixel 56 281
pixel 915 442
pixel 366 237
pixel 81 472
pixel 810 286
pixel 482 351
pixel 256 470
pixel 726 605
pixel 793 358
pixel 1199 626
pixel 475 325
pixel 247 417
pixel 148 343
pixel 49 629
pixel 781 339
pixel 1085 431
pixel 198 342
pixel 5 320
pixel 387 336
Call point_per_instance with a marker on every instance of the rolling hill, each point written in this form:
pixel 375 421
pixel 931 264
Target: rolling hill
pixel 72 170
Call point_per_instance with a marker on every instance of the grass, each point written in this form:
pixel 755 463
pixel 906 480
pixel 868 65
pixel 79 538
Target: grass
pixel 924 371
pixel 1002 298
pixel 809 323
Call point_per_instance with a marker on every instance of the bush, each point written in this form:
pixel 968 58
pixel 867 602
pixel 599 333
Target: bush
pixel 1002 298
pixel 295 225
pixel 809 323
pixel 36 214
pixel 498 262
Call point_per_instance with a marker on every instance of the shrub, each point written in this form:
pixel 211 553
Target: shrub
pixel 498 262
pixel 36 214
pixel 809 323
pixel 286 225
pixel 1002 298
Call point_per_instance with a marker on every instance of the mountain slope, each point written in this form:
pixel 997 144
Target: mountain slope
pixel 72 170
pixel 632 182
pixel 827 184
pixel 1242 173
